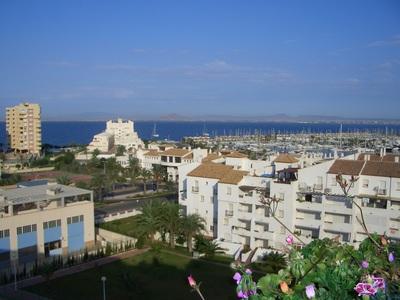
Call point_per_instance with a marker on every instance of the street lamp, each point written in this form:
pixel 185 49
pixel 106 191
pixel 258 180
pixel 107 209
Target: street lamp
pixel 103 279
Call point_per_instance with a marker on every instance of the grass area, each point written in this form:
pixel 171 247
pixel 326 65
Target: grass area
pixel 124 226
pixel 151 275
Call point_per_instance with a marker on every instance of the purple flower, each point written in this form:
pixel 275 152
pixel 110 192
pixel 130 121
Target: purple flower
pixel 237 277
pixel 310 291
pixel 379 282
pixel 364 264
pixel 242 295
pixel 289 239
pixel 391 257
pixel 365 289
pixel 248 272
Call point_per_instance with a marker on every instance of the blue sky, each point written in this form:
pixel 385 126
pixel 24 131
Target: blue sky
pixel 243 58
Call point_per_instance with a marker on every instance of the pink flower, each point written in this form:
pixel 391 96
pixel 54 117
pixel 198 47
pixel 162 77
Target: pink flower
pixel 248 272
pixel 310 291
pixel 289 239
pixel 191 280
pixel 365 289
pixel 391 257
pixel 242 295
pixel 364 264
pixel 379 282
pixel 237 277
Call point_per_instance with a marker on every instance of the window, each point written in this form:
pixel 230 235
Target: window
pixel 281 196
pixel 280 213
pixel 74 219
pixel 365 183
pixel 398 186
pixel 229 190
pixel 202 198
pixel 211 228
pixel 52 224
pixel 333 181
pixel 4 233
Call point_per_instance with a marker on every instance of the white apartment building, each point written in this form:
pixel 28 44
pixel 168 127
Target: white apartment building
pixel 118 132
pixel 43 221
pixel 169 157
pixel 103 142
pixel 311 202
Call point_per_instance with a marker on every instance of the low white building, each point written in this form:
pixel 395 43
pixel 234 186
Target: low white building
pixel 43 221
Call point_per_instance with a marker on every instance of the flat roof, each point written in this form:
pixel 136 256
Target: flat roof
pixel 39 193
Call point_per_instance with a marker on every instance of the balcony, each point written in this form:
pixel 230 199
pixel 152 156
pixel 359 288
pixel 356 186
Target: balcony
pixel 337 226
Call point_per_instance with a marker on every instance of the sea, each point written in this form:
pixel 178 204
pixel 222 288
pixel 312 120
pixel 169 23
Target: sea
pixel 81 133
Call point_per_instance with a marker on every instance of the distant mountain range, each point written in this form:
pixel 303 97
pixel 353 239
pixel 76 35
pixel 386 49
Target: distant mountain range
pixel 279 118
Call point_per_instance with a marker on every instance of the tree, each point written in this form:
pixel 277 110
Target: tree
pixel 99 184
pixel 171 220
pixel 133 170
pixel 95 153
pixel 208 247
pixel 120 150
pixel 192 225
pixel 159 174
pixel 113 172
pixel 64 179
pixel 149 221
pixel 145 175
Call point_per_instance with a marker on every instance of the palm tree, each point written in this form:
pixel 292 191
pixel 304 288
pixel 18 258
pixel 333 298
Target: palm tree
pixel 146 175
pixel 133 170
pixel 171 220
pixel 64 179
pixel 149 221
pixel 192 225
pixel 99 184
pixel 208 247
pixel 113 170
pixel 159 174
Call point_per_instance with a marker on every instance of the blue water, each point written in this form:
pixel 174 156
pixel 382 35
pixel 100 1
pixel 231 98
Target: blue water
pixel 66 133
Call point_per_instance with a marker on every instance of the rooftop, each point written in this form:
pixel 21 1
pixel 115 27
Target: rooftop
pixel 175 152
pixel 346 167
pixel 224 173
pixel 286 158
pixel 40 193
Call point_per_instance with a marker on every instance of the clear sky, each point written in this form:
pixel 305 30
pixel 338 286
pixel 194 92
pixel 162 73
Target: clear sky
pixel 202 57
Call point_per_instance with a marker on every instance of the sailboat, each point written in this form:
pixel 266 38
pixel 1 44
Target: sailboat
pixel 205 133
pixel 155 134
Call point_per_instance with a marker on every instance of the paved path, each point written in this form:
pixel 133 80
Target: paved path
pixel 8 291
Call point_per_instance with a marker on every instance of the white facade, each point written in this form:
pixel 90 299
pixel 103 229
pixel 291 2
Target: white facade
pixel 118 133
pixel 311 203
pixel 124 134
pixel 103 142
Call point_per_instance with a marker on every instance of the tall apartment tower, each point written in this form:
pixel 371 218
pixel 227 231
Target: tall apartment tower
pixel 24 128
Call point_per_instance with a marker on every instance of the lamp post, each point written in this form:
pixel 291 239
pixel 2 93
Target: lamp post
pixel 103 279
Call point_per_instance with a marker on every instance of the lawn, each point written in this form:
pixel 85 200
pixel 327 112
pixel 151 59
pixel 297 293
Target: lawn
pixel 124 226
pixel 147 276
